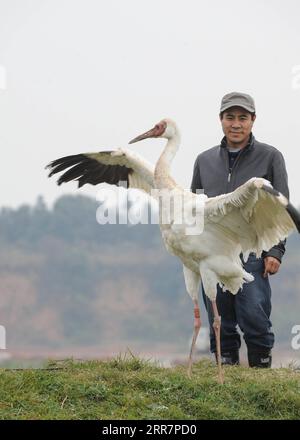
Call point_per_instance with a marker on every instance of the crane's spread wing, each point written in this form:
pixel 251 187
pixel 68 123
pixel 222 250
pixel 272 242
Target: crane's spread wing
pixel 255 215
pixel 113 167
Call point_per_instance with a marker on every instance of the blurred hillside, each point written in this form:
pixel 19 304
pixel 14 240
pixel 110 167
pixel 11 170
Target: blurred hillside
pixel 68 284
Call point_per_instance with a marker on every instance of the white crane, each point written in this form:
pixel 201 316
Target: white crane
pixel 252 218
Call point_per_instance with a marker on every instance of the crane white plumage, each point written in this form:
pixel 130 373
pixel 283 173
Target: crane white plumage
pixel 252 218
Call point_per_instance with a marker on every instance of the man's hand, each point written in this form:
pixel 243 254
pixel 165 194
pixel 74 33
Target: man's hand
pixel 271 265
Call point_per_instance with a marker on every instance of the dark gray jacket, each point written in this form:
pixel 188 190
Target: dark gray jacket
pixel 211 173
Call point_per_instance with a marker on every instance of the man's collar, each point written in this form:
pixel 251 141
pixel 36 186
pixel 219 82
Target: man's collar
pixel 250 143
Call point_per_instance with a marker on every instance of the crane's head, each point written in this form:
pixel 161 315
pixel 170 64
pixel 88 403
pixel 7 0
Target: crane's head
pixel 166 128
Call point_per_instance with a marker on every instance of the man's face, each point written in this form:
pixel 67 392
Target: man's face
pixel 237 124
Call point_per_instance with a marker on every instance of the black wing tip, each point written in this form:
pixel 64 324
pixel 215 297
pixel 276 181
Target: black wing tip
pixel 271 190
pixel 292 211
pixel 64 162
pixel 50 164
pixel 68 160
pixel 294 214
pixel 86 169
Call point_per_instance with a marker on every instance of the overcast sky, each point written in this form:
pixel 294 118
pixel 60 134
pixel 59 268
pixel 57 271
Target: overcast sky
pixel 85 75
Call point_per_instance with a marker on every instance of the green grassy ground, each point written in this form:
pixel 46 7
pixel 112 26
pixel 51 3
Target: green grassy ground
pixel 129 388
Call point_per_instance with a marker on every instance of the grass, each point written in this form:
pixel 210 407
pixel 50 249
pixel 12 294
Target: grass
pixel 131 388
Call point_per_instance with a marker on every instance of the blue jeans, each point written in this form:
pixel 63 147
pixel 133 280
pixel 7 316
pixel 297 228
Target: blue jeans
pixel 250 309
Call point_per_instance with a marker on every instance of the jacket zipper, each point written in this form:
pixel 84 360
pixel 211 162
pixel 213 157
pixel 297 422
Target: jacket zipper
pixel 234 164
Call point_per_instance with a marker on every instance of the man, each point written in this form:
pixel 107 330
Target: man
pixel 220 170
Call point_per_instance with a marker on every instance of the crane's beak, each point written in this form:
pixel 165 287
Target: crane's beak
pixel 147 134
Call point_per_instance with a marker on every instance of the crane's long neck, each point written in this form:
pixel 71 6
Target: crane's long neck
pixel 162 169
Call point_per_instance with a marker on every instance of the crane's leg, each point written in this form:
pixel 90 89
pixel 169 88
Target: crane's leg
pixel 197 326
pixel 209 281
pixel 192 282
pixel 217 329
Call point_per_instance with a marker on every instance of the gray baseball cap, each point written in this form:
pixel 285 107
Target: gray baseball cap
pixel 236 99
